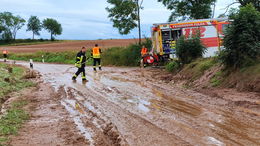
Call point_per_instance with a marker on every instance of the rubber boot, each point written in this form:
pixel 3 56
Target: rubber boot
pixel 84 80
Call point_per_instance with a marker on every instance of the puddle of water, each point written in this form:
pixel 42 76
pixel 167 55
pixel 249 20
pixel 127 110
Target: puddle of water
pixel 144 102
pixel 143 107
pixel 130 100
pixel 71 102
pixel 214 141
pixel 89 106
pixel 236 132
pixel 229 128
pixel 166 103
pixel 170 104
pixel 69 108
pixel 136 101
pixel 87 133
pixel 140 83
pixel 211 125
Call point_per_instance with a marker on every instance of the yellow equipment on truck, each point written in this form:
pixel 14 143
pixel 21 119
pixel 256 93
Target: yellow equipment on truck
pixel 165 35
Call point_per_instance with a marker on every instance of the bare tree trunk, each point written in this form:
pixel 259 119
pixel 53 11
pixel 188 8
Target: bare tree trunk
pixel 33 35
pixel 14 36
pixel 14 33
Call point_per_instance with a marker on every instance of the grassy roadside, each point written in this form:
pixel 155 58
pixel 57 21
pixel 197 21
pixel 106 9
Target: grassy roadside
pixel 209 72
pixel 67 57
pixel 12 121
pixel 116 56
pixel 197 68
pixel 11 80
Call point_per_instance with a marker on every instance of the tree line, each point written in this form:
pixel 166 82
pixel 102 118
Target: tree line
pixel 125 13
pixel 11 24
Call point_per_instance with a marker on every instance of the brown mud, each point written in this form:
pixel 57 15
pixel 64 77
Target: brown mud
pixel 130 106
pixel 49 122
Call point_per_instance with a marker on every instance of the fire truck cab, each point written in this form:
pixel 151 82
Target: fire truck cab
pixel 165 35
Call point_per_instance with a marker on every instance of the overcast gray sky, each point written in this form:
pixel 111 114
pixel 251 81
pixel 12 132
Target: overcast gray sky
pixel 87 19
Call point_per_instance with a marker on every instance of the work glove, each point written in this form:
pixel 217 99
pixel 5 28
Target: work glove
pixel 78 65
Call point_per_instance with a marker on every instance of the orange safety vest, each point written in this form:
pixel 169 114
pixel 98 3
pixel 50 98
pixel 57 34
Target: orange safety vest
pixel 144 51
pixel 5 52
pixel 96 52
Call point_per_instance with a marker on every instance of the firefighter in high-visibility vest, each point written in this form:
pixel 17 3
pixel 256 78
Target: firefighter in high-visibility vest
pixel 5 53
pixel 144 51
pixel 80 64
pixel 96 54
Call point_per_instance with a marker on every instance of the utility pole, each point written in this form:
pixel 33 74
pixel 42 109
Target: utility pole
pixel 139 22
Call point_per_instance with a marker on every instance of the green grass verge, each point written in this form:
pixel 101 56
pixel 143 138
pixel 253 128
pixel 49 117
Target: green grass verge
pixel 16 81
pixel 197 68
pixel 67 57
pixel 12 121
pixel 15 116
pixel 217 79
pixel 173 66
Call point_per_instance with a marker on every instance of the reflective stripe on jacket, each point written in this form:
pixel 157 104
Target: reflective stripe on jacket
pixel 81 58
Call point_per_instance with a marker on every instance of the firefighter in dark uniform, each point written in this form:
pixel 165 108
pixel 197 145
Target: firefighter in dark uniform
pixel 80 64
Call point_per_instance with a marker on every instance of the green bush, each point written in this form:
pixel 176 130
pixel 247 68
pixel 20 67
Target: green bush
pixel 189 49
pixel 172 66
pixel 120 56
pixel 242 39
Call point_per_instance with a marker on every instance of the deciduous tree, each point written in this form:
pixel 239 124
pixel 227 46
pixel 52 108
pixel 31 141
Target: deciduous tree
pixel 242 39
pixel 52 26
pixel 34 25
pixel 10 24
pixel 189 9
pixel 125 15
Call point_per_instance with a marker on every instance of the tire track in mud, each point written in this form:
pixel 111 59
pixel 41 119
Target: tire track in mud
pixel 130 122
pixel 224 128
pixel 97 129
pixel 116 107
pixel 49 123
pixel 221 121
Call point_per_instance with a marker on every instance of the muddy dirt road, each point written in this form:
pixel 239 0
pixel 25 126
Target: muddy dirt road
pixel 126 106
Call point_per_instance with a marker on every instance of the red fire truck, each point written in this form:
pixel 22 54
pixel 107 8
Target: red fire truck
pixel 165 35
